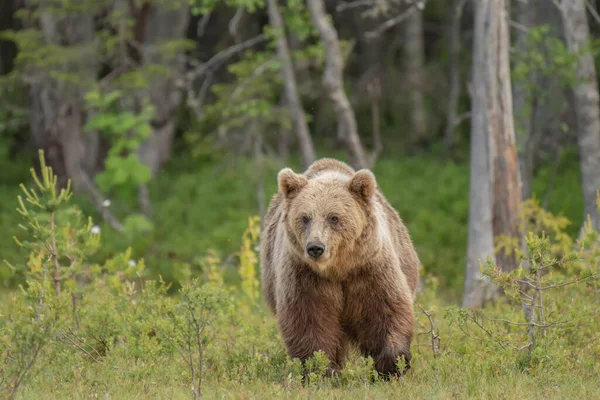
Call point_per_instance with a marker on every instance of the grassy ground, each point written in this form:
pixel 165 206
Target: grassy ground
pixel 248 362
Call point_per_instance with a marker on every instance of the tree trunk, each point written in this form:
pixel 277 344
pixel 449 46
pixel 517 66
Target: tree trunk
pixel 493 157
pixel 305 142
pixel 161 24
pixel 333 81
pixel 587 105
pixel 415 63
pixel 507 179
pixel 57 115
pixel 454 92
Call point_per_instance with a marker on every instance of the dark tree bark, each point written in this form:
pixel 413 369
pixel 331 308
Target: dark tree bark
pixel 305 142
pixel 495 187
pixel 8 50
pixel 587 103
pixel 160 24
pixel 57 115
pixel 333 81
pixel 163 24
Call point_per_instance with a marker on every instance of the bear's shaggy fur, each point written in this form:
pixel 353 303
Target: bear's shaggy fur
pixel 338 266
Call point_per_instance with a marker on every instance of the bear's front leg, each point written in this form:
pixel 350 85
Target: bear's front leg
pixel 308 315
pixel 386 359
pixel 382 317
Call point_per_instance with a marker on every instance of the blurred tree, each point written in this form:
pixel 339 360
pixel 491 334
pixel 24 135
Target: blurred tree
pixel 156 26
pixel 8 50
pixel 307 149
pixel 454 26
pixel 587 103
pixel 130 53
pixel 59 63
pixel 414 58
pixel 333 80
pixel 542 74
pixel 495 187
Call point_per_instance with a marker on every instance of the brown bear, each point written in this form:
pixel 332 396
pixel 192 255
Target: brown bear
pixel 338 267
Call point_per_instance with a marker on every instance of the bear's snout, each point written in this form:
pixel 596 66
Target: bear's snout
pixel 315 250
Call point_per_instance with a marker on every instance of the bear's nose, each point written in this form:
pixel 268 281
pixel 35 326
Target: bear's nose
pixel 315 250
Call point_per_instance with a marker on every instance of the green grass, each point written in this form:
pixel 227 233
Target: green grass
pixel 248 361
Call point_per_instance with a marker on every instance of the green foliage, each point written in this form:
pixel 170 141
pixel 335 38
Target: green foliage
pixel 248 269
pixel 127 131
pixel 54 231
pixel 206 6
pixel 39 311
pixel 541 57
pixel 552 274
pixel 253 97
pixel 189 329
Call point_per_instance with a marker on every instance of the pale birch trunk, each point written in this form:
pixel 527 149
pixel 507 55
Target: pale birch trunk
pixel 334 82
pixel 305 142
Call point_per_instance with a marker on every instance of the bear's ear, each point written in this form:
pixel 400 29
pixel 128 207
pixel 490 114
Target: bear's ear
pixel 290 183
pixel 363 184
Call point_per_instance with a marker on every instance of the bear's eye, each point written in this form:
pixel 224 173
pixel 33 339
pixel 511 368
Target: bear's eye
pixel 334 219
pixel 305 219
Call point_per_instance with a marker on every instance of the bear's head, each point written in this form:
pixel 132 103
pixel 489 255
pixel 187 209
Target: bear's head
pixel 327 215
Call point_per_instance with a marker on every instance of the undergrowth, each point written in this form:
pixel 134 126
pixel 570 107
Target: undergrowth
pixel 201 206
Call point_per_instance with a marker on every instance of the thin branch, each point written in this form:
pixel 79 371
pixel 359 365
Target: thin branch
pixel 224 54
pixel 527 323
pixel 520 27
pixel 568 283
pixel 27 368
pixel 393 22
pixel 197 103
pixel 355 4
pixel 202 24
pixel 462 118
pixel 256 73
pixel 593 11
pixel 435 337
pixel 98 201
pixel 70 332
pixel 42 294
pixel 69 341
pixel 55 255
pixel 234 23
